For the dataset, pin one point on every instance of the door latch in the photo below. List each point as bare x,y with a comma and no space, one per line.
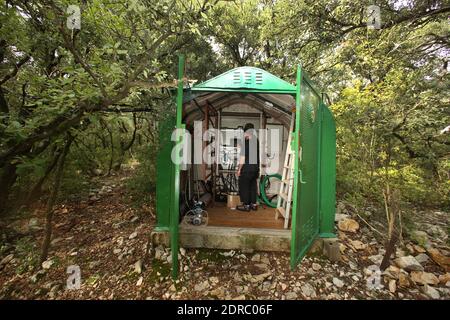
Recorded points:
301,177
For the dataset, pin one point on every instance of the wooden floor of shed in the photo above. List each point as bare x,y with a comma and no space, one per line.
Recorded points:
264,217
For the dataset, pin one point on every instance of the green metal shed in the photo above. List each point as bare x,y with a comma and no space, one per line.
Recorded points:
313,143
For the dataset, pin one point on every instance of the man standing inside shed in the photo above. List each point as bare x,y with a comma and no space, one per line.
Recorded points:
248,170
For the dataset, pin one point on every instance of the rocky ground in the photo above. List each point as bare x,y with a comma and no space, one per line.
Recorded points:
108,239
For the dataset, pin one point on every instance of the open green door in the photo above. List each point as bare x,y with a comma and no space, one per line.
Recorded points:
164,165
327,173
175,201
306,196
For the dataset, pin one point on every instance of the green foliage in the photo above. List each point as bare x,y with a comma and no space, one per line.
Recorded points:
55,80
159,269
26,251
142,185
214,256
75,184
102,84
93,279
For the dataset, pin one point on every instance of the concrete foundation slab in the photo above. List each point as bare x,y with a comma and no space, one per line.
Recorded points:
245,239
228,238
235,238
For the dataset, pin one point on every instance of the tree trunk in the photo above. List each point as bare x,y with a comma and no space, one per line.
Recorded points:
111,141
124,147
392,207
52,199
37,189
390,249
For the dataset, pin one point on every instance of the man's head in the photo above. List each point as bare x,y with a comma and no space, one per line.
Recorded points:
248,130
248,126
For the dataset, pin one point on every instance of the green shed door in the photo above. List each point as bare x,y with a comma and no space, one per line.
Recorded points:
175,182
327,173
305,211
164,171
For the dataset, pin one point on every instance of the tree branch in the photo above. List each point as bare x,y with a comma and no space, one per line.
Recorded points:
14,72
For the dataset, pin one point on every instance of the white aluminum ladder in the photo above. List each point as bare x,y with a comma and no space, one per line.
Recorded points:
287,181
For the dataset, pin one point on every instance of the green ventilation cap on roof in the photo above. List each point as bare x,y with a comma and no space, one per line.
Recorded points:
246,79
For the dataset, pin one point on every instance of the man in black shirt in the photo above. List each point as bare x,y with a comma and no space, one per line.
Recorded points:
248,170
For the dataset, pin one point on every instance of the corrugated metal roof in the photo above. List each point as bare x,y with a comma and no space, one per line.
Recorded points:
246,79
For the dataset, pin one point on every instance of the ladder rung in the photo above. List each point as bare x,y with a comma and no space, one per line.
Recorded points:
286,181
283,195
282,211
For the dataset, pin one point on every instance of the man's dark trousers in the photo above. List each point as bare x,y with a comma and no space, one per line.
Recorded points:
247,186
